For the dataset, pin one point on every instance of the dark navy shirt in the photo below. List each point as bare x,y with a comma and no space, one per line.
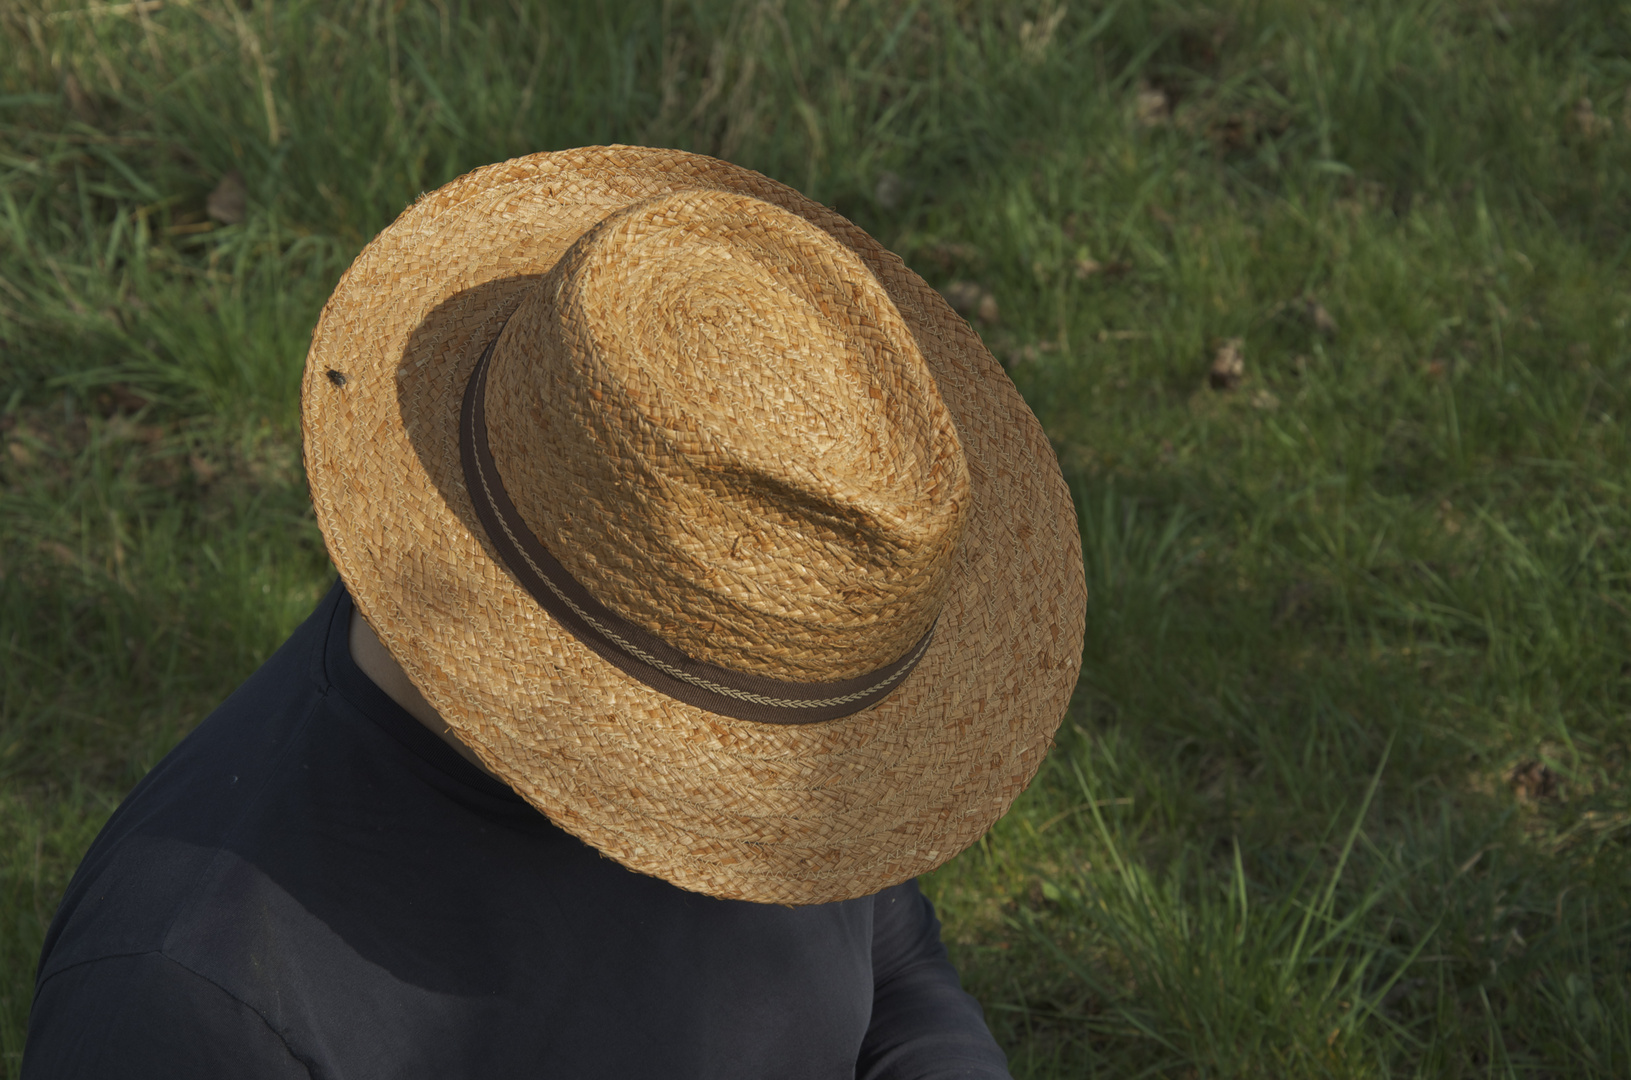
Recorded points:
312,884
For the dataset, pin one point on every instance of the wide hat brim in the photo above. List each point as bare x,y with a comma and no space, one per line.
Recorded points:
799,813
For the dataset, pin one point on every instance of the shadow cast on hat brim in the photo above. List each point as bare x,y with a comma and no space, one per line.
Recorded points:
425,386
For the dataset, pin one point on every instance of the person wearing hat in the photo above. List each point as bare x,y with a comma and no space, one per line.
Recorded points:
703,581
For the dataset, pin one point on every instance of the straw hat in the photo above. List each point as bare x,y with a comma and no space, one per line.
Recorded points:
702,520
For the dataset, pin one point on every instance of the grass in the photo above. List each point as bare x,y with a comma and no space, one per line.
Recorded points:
1342,792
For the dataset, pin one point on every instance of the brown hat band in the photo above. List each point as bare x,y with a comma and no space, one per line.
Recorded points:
632,649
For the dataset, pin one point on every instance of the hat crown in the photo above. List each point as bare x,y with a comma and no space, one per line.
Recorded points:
713,416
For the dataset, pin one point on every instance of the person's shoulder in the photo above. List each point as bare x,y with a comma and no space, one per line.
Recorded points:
146,864
145,1015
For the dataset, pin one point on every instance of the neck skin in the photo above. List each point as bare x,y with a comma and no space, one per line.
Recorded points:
375,661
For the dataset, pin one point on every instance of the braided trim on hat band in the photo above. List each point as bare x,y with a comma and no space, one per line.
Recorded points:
631,648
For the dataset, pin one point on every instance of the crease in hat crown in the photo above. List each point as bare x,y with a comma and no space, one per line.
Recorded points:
712,414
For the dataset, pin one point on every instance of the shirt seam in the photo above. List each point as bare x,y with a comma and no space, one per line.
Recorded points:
162,955
316,666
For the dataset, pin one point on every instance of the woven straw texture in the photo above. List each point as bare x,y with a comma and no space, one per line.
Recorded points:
745,427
